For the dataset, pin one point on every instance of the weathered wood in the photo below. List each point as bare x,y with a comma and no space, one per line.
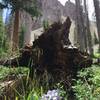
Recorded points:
53,52
53,48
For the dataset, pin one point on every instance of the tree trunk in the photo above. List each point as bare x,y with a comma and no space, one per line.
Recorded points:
88,32
80,27
15,38
97,12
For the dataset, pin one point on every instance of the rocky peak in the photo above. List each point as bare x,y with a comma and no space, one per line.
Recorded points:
53,10
69,10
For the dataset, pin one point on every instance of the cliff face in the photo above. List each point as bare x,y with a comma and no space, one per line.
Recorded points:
53,11
69,10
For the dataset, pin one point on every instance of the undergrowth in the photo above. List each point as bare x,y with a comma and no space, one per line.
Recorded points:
87,87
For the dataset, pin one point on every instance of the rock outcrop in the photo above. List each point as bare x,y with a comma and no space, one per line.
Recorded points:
51,11
70,10
54,11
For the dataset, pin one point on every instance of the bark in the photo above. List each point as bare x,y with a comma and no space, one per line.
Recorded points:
88,32
15,38
26,23
80,26
53,53
48,53
97,12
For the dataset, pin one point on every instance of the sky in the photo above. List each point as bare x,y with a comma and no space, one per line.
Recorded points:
63,1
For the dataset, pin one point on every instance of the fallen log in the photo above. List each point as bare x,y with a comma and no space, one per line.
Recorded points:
52,51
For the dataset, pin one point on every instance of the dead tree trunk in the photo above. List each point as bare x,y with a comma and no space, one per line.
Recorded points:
97,12
52,51
80,26
88,32
15,38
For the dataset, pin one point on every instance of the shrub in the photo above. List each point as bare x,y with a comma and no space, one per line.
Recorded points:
87,87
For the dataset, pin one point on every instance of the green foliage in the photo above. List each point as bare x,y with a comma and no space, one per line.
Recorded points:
62,92
96,55
17,6
30,88
35,94
2,33
87,87
45,25
26,5
3,37
7,73
4,72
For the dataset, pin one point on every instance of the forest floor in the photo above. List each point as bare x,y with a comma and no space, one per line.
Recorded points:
88,80
53,64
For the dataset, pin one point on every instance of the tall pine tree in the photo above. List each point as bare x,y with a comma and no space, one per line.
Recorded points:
97,13
2,33
16,7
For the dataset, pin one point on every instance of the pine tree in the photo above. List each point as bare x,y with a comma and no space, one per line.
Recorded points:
2,33
97,13
17,6
81,32
88,32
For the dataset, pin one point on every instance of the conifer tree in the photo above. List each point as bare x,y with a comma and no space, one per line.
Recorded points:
16,7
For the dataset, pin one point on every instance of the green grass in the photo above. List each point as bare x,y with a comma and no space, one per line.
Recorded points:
87,87
7,71
27,89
